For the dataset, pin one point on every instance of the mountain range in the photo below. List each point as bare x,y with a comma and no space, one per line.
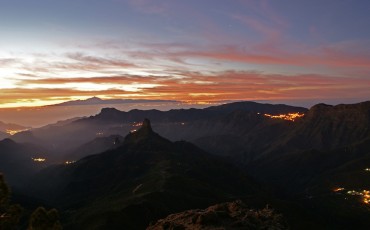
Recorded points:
312,165
180,124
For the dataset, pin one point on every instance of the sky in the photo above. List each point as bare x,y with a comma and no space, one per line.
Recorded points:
195,51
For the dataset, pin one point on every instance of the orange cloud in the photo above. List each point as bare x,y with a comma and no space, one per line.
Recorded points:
194,86
267,52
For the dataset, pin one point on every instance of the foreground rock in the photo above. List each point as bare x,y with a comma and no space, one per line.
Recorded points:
228,216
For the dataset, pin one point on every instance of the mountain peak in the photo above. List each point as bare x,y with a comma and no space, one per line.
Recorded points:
145,129
146,125
8,141
94,99
144,132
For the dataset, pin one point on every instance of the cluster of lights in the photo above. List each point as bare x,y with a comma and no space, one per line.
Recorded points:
365,194
13,132
69,162
137,124
99,134
287,117
39,159
355,193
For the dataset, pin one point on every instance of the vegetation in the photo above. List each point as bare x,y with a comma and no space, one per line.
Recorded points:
41,219
10,214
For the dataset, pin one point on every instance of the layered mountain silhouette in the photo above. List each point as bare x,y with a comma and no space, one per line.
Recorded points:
146,178
10,126
183,124
316,165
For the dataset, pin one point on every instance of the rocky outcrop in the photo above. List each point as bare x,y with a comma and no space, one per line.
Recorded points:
228,216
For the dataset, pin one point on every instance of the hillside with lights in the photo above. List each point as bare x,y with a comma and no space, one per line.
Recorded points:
312,165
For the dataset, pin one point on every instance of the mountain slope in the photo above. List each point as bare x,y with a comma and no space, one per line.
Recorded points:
98,145
326,138
16,161
326,127
146,178
325,151
3,135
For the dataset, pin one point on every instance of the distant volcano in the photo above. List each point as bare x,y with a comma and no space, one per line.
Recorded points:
99,101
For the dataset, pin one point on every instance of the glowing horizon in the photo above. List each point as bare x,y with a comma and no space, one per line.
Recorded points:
186,51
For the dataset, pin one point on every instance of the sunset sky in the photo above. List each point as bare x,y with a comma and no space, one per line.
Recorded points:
194,50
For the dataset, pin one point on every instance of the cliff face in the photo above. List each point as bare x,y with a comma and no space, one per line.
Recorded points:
327,127
231,216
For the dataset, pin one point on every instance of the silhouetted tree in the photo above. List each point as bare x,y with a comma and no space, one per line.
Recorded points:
41,219
9,214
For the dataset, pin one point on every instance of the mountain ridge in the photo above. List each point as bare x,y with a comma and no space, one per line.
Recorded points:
147,172
295,159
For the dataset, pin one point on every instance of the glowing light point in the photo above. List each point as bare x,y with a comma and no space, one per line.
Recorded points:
39,159
338,189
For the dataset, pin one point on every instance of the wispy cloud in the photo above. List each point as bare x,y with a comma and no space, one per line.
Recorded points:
7,61
325,55
206,52
195,86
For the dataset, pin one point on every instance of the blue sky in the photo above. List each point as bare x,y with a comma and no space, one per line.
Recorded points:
195,51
